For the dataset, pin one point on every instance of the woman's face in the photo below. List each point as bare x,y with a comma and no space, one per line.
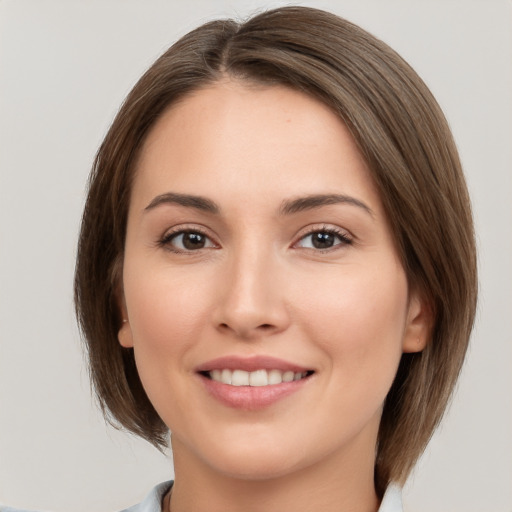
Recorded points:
265,301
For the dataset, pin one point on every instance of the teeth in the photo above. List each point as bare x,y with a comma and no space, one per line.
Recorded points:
239,378
256,378
288,376
225,376
275,377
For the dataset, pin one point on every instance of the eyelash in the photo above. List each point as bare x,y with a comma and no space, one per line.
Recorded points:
344,239
165,241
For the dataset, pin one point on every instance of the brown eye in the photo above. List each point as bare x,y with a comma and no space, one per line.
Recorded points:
188,241
193,241
323,239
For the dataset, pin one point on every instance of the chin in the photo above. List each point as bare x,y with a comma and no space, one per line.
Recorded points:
255,469
251,461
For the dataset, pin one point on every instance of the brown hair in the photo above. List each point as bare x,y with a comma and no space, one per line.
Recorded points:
409,150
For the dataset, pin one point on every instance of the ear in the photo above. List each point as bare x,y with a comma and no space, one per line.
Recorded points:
418,327
124,335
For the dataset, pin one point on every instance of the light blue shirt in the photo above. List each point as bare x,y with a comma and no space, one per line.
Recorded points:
392,501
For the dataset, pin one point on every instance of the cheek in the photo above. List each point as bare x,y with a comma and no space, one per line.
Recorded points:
358,319
166,311
167,315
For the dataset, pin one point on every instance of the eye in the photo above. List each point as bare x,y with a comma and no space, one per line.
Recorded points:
324,239
186,241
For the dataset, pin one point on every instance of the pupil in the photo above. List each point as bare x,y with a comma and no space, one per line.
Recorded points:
323,240
193,241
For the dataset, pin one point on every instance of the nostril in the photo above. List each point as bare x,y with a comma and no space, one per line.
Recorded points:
262,328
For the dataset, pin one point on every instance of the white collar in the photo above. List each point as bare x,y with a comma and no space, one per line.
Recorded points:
391,502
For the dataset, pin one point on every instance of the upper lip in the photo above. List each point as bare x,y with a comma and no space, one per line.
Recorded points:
250,364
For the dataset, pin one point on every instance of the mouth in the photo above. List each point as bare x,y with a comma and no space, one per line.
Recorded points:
252,383
258,378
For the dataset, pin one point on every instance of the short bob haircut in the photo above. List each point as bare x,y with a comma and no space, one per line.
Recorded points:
406,142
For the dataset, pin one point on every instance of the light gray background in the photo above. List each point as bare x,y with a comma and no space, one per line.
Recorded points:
65,66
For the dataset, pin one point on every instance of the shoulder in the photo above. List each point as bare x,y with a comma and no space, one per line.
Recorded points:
3,508
10,509
151,503
392,500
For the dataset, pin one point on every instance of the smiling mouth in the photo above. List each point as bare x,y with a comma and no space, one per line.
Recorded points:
257,378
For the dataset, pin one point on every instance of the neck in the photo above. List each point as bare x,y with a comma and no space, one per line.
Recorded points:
333,485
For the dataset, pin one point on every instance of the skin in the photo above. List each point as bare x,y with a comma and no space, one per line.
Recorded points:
259,286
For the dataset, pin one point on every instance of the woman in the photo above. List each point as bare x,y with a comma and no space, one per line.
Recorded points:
277,265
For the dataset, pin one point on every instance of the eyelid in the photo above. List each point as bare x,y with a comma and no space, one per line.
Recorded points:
169,234
346,237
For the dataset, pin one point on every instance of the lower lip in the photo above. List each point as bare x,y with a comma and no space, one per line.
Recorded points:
251,398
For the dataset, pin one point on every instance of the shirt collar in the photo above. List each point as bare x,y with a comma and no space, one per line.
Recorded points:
391,502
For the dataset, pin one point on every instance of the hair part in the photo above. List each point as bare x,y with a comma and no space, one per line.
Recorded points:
407,144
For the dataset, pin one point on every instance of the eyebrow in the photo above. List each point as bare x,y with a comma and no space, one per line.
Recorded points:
311,202
190,201
288,207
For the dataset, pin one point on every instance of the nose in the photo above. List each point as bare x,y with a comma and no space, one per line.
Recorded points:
251,301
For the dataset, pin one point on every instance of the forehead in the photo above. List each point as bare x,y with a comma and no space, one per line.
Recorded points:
232,138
